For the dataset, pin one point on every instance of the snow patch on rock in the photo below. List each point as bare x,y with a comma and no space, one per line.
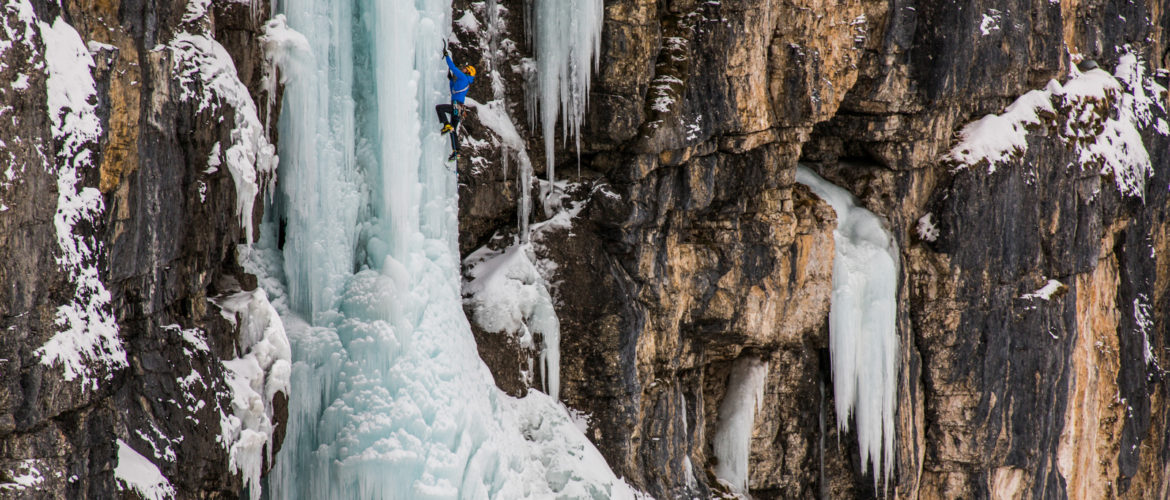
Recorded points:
1046,292
507,294
990,22
1143,318
23,476
1099,114
23,32
21,82
137,473
468,22
207,76
494,115
88,346
927,230
510,291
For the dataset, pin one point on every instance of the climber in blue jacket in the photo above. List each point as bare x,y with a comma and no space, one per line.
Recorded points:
451,114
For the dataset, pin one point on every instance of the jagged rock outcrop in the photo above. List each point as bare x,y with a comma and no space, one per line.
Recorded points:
694,248
118,225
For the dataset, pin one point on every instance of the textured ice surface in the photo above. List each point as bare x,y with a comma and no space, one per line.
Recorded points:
261,369
390,399
863,339
284,49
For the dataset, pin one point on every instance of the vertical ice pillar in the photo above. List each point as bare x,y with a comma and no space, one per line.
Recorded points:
319,179
367,210
566,39
737,415
863,340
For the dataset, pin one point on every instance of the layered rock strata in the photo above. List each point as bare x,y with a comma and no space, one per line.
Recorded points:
694,248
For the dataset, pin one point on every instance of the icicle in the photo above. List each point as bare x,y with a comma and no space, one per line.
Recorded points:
566,39
863,340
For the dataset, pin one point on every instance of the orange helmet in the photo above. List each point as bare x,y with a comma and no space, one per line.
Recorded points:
469,69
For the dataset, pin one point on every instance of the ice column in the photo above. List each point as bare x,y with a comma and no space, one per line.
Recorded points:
566,38
737,415
863,341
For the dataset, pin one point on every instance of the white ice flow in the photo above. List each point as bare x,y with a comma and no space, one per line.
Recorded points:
863,341
737,416
359,255
566,37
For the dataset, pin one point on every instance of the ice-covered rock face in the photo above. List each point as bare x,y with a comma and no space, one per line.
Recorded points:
692,249
392,400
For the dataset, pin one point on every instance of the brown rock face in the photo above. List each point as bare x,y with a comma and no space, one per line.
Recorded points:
695,249
162,241
1090,440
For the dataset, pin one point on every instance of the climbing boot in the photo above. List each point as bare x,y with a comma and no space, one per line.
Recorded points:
447,128
454,156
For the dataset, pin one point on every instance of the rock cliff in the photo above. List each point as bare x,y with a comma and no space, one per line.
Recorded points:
130,135
691,247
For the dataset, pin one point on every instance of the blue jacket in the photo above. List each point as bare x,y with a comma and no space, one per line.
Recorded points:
459,82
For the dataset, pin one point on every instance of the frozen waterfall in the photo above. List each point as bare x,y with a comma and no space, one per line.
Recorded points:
863,341
358,252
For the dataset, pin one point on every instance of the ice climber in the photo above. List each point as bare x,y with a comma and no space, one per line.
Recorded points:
451,114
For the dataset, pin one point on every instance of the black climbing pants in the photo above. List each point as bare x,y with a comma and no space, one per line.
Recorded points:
449,115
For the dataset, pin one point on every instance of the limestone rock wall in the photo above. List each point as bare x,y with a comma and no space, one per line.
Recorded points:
694,246
160,243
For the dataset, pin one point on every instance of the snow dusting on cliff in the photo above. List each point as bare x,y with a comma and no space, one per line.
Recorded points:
207,77
1099,114
88,346
137,473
